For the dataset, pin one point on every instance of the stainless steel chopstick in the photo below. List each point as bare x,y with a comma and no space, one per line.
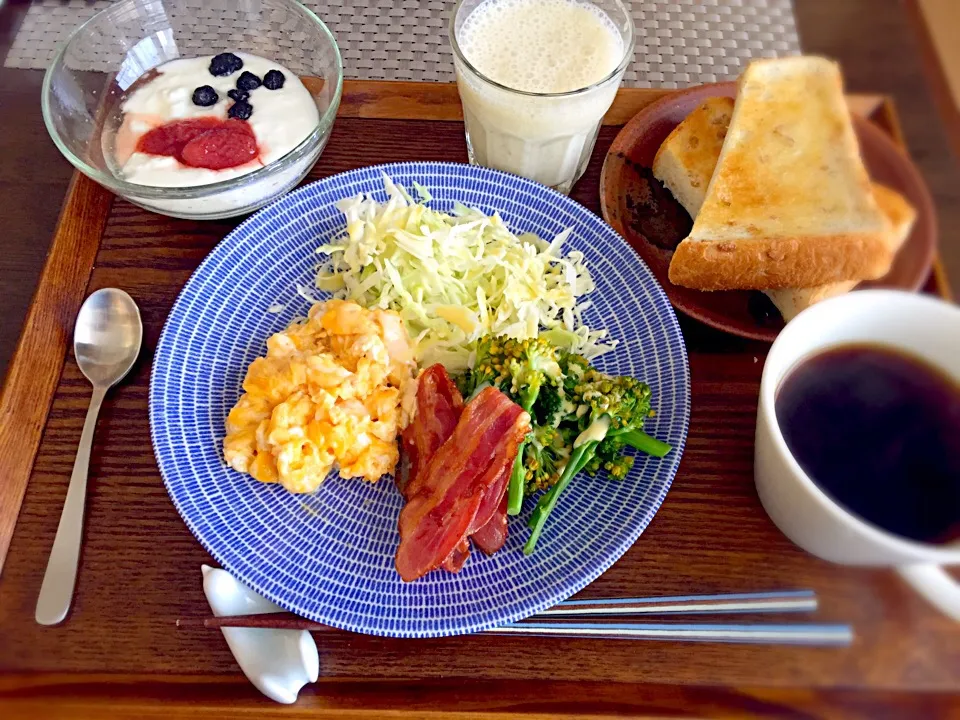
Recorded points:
799,634
759,634
732,603
762,602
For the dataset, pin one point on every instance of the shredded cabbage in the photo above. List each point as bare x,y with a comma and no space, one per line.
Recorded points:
456,277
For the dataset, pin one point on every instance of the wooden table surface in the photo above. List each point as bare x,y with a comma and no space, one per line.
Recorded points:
121,642
120,650
881,44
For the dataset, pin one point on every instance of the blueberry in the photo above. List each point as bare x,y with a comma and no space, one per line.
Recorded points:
205,96
241,110
238,95
248,81
225,64
273,80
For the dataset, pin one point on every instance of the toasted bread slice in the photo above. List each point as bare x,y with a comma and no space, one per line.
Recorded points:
789,204
792,301
687,158
685,164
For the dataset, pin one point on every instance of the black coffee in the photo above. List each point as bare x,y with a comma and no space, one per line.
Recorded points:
879,431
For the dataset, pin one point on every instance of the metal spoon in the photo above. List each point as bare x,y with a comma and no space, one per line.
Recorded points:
106,342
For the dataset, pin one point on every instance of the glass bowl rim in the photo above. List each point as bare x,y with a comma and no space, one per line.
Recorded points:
125,188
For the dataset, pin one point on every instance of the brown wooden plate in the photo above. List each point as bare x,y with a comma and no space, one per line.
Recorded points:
645,213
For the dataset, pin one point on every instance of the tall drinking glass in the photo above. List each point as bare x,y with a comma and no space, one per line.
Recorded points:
545,136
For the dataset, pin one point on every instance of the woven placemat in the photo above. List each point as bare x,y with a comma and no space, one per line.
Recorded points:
679,42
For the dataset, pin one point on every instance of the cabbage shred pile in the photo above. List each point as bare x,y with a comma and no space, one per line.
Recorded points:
457,277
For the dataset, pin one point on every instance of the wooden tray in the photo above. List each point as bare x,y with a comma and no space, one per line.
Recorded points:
120,651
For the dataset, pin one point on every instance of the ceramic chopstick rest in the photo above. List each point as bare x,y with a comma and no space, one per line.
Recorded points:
278,662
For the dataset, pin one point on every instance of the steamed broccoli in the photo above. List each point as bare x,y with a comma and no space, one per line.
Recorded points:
544,456
519,368
573,367
609,456
610,414
531,364
524,370
550,407
582,418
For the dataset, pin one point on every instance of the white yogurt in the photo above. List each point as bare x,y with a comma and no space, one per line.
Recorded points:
280,121
244,198
537,46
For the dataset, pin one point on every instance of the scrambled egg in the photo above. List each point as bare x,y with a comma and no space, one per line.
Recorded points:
331,391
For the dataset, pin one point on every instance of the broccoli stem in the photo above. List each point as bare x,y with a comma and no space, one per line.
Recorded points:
645,443
578,460
517,475
515,489
477,390
538,519
528,396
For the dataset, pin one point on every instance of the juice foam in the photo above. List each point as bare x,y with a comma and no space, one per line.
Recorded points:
542,46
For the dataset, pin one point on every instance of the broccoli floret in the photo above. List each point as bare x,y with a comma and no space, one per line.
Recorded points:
549,408
519,368
544,456
465,383
619,467
530,364
573,367
609,456
488,367
610,414
625,400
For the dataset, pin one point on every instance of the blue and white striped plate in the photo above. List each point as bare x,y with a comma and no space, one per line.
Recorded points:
329,556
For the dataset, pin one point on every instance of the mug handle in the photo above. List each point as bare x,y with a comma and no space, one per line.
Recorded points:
936,585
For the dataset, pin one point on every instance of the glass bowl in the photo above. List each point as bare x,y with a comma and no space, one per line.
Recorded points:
89,78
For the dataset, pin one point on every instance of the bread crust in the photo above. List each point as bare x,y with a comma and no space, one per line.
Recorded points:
789,204
792,301
780,262
898,210
685,161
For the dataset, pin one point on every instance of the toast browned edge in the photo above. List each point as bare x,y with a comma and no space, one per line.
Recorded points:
802,261
799,262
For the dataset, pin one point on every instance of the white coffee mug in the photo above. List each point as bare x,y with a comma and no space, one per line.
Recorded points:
922,325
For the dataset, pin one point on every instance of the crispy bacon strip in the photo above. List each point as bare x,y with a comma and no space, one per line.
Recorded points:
456,560
486,515
455,481
493,534
491,500
439,405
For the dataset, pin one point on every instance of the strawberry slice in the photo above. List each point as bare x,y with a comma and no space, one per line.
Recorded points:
218,149
207,142
170,138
